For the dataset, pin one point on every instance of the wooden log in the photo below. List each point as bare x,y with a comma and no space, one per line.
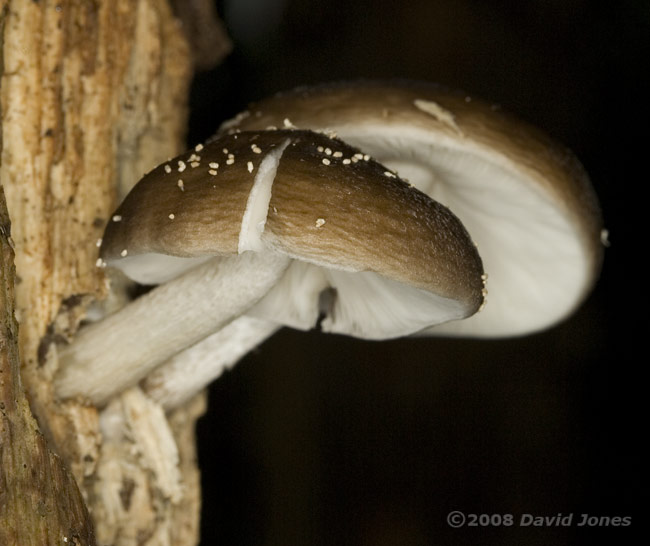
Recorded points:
92,95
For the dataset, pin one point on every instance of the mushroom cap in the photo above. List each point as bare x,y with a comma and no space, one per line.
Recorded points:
526,201
397,260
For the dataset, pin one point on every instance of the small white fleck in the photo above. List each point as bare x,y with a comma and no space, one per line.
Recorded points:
320,149
225,151
346,161
181,185
98,243
271,128
366,157
212,172
171,216
287,123
326,161
181,166
328,151
194,157
99,263
358,156
198,147
117,218
338,154
604,238
168,169
213,165
230,161
256,149
320,222
389,174
124,253
249,166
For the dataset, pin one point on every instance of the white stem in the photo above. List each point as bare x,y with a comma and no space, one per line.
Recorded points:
114,354
190,371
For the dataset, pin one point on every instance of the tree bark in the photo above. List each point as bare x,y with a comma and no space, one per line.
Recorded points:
92,95
40,502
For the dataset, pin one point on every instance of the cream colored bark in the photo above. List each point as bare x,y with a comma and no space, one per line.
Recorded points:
92,95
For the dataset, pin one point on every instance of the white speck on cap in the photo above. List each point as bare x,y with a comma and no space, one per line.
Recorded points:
117,218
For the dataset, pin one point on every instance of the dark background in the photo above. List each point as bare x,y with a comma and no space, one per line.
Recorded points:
317,439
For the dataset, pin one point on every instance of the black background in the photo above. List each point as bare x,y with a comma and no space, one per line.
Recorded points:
316,439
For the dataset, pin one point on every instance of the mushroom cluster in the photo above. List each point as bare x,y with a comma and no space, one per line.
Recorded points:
358,207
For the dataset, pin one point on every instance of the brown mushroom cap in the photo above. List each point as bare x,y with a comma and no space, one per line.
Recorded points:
526,201
337,213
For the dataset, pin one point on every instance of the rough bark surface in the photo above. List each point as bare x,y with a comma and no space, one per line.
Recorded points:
40,502
92,95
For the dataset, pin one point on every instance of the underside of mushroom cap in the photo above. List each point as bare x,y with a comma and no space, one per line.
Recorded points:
525,200
340,215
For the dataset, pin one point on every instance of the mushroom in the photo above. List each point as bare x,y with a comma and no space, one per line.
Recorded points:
525,200
274,220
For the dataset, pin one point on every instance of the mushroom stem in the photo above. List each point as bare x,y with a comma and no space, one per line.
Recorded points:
188,372
111,355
